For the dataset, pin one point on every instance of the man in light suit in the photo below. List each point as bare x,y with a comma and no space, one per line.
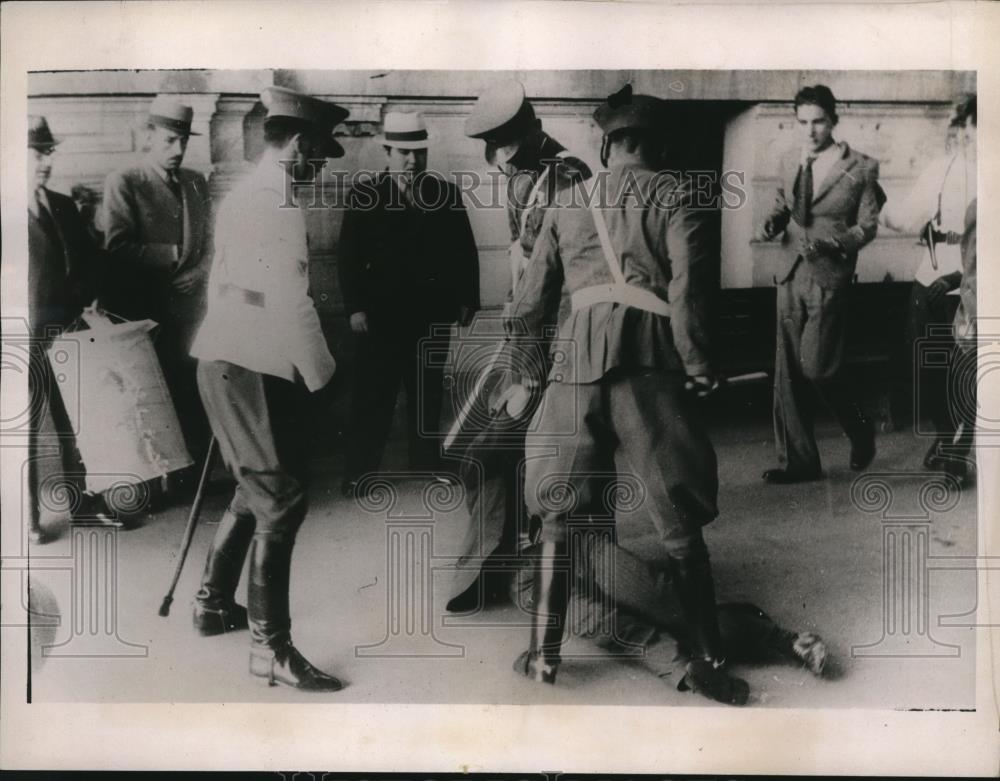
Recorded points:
62,267
156,217
827,209
261,357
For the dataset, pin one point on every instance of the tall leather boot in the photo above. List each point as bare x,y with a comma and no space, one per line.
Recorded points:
696,594
551,595
272,655
215,608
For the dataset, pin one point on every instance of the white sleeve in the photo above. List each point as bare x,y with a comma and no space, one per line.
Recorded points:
291,306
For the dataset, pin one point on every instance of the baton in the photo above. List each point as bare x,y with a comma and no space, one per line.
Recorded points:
929,236
192,521
466,410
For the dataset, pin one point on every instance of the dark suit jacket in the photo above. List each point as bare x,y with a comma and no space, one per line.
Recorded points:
407,266
845,207
62,266
144,225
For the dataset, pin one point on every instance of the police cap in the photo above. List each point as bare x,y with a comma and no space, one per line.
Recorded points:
324,115
623,110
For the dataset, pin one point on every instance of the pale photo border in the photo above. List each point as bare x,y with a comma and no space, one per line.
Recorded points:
503,36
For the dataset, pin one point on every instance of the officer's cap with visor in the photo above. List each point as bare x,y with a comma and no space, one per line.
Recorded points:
282,102
626,111
502,116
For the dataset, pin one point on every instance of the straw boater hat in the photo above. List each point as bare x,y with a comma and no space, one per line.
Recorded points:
289,104
39,135
404,131
168,112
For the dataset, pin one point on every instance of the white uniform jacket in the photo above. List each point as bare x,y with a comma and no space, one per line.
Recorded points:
260,314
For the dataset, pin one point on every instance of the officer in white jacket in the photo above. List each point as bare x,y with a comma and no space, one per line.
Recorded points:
260,352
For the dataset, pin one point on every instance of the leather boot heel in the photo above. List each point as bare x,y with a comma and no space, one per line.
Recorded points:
286,666
209,622
215,609
551,594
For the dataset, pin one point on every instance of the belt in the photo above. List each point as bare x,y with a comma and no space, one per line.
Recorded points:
251,297
617,293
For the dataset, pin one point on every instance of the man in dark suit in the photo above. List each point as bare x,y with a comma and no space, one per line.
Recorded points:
827,209
408,261
157,237
62,266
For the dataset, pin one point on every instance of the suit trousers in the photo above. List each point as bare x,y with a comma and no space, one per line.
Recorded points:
260,422
384,360
631,436
811,337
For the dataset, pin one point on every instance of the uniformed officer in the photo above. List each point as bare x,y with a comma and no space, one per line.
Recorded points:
638,275
537,167
261,352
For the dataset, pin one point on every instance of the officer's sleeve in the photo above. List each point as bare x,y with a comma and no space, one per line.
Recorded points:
693,264
864,230
122,237
293,311
536,303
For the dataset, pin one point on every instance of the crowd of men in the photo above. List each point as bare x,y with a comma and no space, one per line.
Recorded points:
626,281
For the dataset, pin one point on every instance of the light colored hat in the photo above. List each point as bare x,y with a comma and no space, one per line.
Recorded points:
501,115
404,131
287,103
168,112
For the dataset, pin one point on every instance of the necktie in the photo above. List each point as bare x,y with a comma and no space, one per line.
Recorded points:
45,216
804,192
174,185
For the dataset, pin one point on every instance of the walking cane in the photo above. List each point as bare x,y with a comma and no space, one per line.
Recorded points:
192,522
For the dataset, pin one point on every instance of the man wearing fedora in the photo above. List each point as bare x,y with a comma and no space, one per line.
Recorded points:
638,276
62,270
826,210
408,265
157,223
261,357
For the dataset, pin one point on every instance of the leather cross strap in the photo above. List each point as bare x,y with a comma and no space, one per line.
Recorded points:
619,291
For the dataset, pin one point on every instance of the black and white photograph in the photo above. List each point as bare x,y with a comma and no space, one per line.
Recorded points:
526,389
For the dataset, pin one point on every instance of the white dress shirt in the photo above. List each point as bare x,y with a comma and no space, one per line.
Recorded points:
823,163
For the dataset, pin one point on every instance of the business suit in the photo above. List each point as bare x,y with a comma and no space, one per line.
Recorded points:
62,266
408,267
812,299
152,236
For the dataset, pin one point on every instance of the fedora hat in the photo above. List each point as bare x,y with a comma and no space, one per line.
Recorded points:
39,135
168,112
404,130
285,103
623,110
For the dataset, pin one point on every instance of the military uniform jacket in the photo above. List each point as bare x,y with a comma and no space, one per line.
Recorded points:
407,265
150,236
260,315
845,206
62,265
664,246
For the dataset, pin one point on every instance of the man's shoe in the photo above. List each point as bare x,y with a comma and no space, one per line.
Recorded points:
216,621
811,649
711,680
863,447
37,535
787,476
284,665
